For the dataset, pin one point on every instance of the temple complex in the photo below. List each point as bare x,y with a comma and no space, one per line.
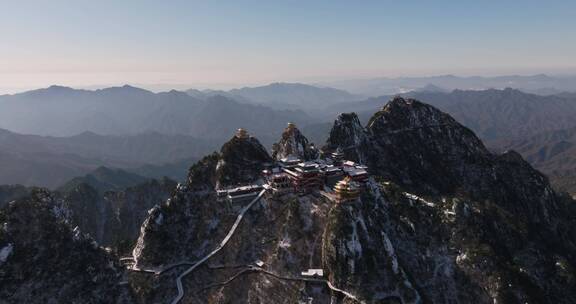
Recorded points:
334,177
305,176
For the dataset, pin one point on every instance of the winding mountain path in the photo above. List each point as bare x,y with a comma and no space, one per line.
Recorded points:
216,250
252,268
334,288
158,271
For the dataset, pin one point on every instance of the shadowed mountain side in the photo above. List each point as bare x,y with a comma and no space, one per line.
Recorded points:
554,153
105,179
51,161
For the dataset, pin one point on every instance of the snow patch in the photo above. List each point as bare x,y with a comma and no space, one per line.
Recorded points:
220,164
5,252
353,245
60,212
408,222
159,219
284,243
391,253
461,257
315,210
418,199
76,234
213,223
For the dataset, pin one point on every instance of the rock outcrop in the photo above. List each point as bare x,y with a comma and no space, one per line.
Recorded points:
241,161
349,137
294,144
489,224
44,260
113,218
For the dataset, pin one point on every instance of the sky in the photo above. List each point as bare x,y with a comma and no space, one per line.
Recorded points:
218,44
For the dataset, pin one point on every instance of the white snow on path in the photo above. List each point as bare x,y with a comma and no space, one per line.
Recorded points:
419,199
349,295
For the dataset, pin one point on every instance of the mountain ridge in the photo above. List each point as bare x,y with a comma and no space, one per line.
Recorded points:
442,196
493,114
127,110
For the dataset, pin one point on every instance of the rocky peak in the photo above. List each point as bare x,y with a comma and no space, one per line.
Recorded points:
410,113
425,150
293,143
417,119
241,160
348,136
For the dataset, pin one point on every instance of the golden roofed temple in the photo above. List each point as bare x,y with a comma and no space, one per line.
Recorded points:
346,190
242,133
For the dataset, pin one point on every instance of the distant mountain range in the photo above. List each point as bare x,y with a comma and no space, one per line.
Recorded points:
62,111
285,96
51,161
105,179
295,96
538,84
554,153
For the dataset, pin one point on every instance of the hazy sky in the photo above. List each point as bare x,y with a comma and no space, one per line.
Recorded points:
215,43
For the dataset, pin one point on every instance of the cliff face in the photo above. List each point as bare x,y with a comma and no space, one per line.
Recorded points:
359,256
44,260
113,218
293,144
426,151
350,137
490,224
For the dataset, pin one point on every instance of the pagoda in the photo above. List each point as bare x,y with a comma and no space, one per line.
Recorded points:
346,190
